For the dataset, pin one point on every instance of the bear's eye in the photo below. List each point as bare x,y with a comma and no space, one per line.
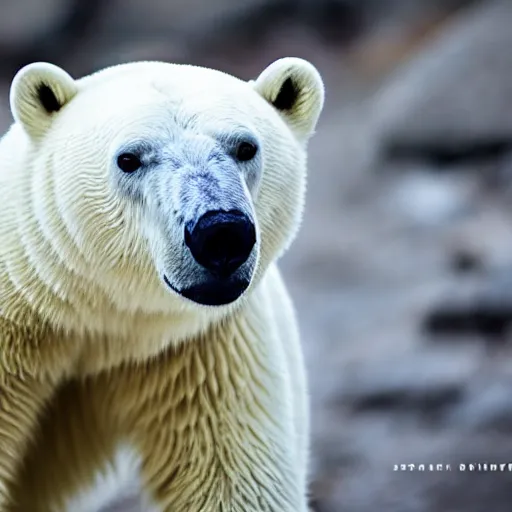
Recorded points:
246,151
128,162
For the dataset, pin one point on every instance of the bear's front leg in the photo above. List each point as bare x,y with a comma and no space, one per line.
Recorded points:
213,425
21,400
30,369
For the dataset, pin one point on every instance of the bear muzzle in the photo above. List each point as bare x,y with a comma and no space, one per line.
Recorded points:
221,242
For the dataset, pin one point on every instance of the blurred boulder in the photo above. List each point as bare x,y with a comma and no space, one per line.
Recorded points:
451,101
23,20
430,200
49,30
417,383
488,407
136,17
484,309
232,18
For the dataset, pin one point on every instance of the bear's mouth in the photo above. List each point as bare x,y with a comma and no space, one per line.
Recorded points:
213,292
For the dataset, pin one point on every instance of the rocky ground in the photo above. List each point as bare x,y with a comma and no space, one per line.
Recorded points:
401,272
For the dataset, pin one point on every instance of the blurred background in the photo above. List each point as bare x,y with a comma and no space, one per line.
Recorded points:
402,273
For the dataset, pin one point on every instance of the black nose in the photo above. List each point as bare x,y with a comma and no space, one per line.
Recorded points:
221,241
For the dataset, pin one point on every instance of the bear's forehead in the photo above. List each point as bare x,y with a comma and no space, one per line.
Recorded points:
172,80
161,89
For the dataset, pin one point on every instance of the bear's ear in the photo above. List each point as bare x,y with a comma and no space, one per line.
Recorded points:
295,88
38,92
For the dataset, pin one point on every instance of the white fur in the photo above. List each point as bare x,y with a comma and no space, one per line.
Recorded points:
120,478
89,257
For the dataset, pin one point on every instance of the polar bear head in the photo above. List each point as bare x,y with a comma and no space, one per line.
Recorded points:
178,185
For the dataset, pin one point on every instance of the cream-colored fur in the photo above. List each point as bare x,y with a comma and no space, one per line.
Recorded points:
96,353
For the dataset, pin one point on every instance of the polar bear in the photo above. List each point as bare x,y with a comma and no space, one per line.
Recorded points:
143,210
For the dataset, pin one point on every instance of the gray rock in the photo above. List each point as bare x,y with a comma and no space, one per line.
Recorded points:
162,15
431,200
455,94
419,383
22,20
487,408
484,308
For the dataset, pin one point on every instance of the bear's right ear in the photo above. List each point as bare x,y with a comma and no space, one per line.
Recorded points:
38,92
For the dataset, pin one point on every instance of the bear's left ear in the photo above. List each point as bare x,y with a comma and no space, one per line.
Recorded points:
295,89
38,92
